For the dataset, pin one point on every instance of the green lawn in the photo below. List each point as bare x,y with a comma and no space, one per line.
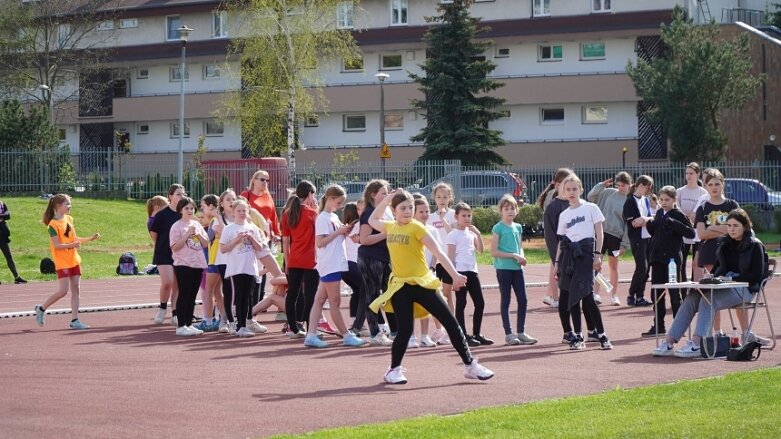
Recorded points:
738,405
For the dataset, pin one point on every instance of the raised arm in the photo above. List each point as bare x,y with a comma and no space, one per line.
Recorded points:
375,220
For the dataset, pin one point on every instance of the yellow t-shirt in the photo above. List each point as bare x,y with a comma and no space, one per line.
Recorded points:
407,255
214,245
63,229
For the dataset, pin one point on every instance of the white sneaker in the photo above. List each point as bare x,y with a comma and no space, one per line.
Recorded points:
597,299
525,338
256,327
413,342
159,316
381,340
174,321
554,303
184,331
385,328
689,351
244,332
232,328
194,330
395,376
223,327
327,304
478,371
547,300
754,337
663,350
615,301
427,342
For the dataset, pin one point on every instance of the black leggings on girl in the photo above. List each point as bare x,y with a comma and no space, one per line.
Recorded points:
242,290
189,280
476,293
352,277
590,310
301,288
374,275
433,302
227,293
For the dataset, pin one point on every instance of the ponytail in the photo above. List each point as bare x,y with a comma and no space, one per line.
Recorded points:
303,189
558,177
54,201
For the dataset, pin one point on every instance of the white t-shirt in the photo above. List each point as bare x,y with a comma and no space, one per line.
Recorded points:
688,200
350,246
241,259
464,240
577,223
439,224
644,206
331,258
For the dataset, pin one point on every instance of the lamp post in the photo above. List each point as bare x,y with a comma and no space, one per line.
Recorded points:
623,157
382,77
184,32
46,93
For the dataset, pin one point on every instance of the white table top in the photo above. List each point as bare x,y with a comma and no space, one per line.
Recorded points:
723,285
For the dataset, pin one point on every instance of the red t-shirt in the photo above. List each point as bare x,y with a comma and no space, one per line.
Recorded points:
265,205
302,239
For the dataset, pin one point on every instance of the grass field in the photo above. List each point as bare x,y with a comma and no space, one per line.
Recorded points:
738,405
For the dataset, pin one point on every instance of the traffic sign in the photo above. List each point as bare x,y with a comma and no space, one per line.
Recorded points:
385,151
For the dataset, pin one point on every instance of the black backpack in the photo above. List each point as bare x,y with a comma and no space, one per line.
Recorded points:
127,265
745,352
47,266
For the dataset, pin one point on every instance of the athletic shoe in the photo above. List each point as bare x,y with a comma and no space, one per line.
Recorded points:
280,317
554,304
597,299
525,339
413,342
77,324
232,328
547,300
511,340
327,304
216,323
184,331
175,321
483,340
471,341
640,301
427,342
592,336
381,340
311,341
326,327
630,300
652,332
604,343
195,331
204,326
385,328
689,351
223,327
478,371
754,337
569,338
256,327
395,376
40,315
351,340
244,332
296,334
159,316
444,340
578,344
19,280
615,301
663,350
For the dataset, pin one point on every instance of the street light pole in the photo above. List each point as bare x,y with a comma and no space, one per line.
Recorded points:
184,32
623,157
382,77
46,93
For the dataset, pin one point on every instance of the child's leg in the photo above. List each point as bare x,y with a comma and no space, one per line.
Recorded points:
519,286
424,325
214,285
271,265
227,294
460,307
476,293
311,284
505,280
659,276
591,309
242,288
402,304
75,285
62,289
207,298
197,275
564,314
372,272
612,263
335,299
352,277
167,284
434,304
553,287
317,307
185,279
447,291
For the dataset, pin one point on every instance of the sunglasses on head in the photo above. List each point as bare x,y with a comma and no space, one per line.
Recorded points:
262,179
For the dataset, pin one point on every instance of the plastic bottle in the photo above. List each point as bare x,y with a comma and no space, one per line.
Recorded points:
602,280
672,272
734,339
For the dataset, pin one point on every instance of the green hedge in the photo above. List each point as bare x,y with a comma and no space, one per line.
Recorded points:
484,218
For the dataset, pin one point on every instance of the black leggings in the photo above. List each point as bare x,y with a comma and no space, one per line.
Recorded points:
590,311
374,276
659,276
433,302
242,290
8,258
227,293
189,280
255,297
686,250
640,276
352,277
301,288
476,293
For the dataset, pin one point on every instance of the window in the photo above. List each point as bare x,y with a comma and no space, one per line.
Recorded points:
390,62
219,24
394,121
600,5
62,134
142,73
552,116
175,129
594,114
352,65
354,122
175,73
127,23
105,25
398,12
549,52
540,8
501,52
589,51
211,71
142,128
213,128
63,35
312,120
344,15
173,22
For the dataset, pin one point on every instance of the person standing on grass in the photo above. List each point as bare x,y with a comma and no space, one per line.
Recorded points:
160,232
688,198
637,212
463,244
552,202
5,239
611,203
413,290
443,220
64,245
188,239
509,260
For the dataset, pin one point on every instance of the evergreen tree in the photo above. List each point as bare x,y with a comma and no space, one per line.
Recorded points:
458,104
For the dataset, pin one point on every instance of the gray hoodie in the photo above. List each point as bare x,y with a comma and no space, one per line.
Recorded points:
611,204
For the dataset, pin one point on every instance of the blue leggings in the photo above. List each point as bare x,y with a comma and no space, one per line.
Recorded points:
512,280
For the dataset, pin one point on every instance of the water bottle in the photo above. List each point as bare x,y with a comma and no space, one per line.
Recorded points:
602,280
734,340
672,272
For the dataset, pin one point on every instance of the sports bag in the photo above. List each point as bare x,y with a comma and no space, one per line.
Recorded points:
128,265
47,266
745,352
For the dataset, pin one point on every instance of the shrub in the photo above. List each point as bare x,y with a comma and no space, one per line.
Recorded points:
529,215
758,219
484,218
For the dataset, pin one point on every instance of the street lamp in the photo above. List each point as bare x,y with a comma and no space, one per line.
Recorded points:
623,157
46,93
184,32
382,77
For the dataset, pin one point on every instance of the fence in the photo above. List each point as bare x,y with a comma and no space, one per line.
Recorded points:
143,175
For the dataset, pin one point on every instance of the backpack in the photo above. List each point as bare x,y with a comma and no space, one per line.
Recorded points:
47,266
127,264
745,352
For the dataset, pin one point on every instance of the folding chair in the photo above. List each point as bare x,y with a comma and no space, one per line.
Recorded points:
760,301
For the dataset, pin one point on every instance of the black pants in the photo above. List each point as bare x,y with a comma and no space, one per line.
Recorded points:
255,297
352,277
590,312
640,276
189,280
403,302
374,277
8,258
227,294
301,288
659,275
242,291
475,291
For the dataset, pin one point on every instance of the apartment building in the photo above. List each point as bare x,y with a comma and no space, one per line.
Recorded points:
568,98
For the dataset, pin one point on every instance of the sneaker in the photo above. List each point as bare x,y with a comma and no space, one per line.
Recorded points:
184,331
159,316
351,340
327,304
232,328
280,317
652,332
311,341
40,315
223,327
244,332
640,301
19,280
326,327
525,339
547,300
215,325
175,321
385,328
470,340
604,343
296,334
689,351
478,371
256,327
569,338
380,340
630,300
592,336
77,324
663,350
578,344
195,331
597,299
483,340
285,328
615,301
437,334
554,304
754,337
427,342
413,342
395,376
511,340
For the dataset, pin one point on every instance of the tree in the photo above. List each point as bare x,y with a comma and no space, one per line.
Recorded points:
775,17
700,75
281,46
22,130
458,105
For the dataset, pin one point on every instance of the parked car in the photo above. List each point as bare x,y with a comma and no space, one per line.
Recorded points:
749,191
354,189
481,188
